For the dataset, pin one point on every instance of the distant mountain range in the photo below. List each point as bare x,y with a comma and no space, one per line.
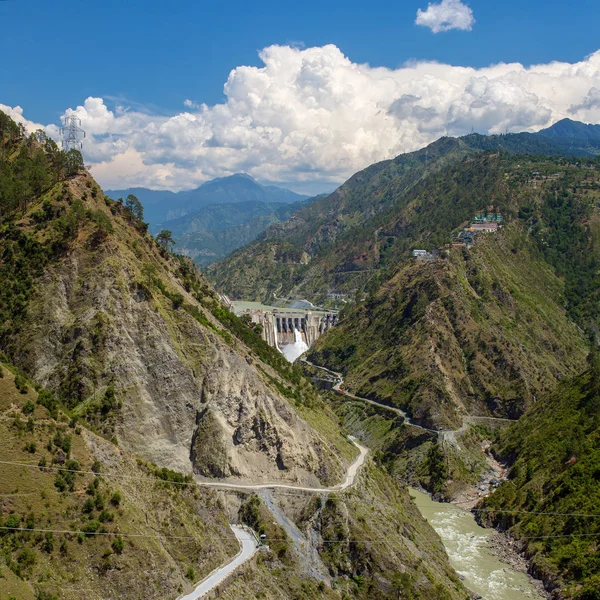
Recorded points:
161,206
218,217
215,231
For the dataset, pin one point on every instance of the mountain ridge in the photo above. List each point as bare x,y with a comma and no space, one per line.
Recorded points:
160,206
124,338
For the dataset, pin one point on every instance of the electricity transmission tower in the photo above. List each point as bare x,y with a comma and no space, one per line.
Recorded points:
71,133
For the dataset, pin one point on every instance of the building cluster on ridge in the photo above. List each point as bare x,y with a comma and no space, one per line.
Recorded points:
488,221
484,222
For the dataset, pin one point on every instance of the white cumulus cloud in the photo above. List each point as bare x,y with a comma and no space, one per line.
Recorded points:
309,118
446,15
16,114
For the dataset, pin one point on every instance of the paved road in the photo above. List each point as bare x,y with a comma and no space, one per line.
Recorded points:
444,434
246,539
248,548
349,481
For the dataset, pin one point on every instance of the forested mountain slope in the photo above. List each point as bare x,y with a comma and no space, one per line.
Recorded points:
486,329
553,489
130,343
216,230
337,243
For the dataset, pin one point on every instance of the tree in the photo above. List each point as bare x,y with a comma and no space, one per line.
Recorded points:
165,239
74,162
438,471
593,360
134,206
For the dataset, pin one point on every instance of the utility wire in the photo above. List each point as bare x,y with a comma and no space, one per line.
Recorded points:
283,491
219,537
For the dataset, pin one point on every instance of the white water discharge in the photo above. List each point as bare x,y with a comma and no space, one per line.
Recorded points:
295,350
465,543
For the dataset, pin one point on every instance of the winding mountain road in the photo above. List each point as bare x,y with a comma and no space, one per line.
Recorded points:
443,434
349,481
248,548
247,540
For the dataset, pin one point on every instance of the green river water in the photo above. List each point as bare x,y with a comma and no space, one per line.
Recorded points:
465,543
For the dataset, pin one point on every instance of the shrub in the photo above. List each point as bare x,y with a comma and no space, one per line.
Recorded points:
118,545
26,558
28,407
20,383
48,544
91,527
99,501
106,517
177,300
115,499
60,484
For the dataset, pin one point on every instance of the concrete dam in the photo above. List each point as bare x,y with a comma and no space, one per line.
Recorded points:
279,325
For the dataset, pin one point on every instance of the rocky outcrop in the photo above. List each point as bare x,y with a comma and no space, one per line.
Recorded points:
188,395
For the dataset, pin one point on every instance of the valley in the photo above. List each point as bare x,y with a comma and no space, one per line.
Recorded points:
306,419
439,353
136,371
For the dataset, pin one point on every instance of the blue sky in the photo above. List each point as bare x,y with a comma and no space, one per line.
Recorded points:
160,53
309,113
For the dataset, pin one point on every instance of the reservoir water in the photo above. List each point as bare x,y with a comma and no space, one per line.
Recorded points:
465,543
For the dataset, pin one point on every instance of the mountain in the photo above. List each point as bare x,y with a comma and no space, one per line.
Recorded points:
217,230
573,137
334,244
161,206
567,129
553,483
484,330
124,380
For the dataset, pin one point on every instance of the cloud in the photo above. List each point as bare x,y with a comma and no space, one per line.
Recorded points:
16,114
309,118
589,103
447,15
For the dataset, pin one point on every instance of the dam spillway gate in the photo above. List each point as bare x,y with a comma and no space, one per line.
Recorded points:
279,325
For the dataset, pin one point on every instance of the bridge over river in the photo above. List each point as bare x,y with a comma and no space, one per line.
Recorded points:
280,324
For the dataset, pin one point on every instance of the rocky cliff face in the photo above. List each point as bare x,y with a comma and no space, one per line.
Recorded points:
105,331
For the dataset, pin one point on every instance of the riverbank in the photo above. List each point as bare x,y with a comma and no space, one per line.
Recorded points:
508,550
499,544
490,478
479,555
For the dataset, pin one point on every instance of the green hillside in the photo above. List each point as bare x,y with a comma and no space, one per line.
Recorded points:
217,230
136,363
554,485
481,330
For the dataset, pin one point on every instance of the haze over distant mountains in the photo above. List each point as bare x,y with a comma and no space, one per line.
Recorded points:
207,227
218,217
163,205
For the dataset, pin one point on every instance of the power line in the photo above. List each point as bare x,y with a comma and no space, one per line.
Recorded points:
221,537
286,492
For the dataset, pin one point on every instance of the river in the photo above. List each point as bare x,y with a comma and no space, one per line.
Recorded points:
465,543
